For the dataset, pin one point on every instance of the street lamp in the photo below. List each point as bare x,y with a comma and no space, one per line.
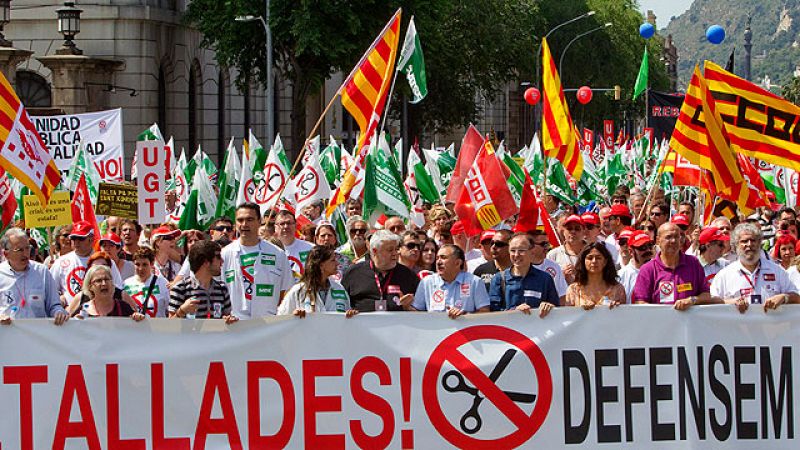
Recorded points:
5,17
564,52
270,82
69,24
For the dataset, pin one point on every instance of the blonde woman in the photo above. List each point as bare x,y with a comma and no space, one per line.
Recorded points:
100,298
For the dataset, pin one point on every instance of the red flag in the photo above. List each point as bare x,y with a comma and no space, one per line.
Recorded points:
8,201
82,207
750,193
547,224
685,173
528,217
608,133
485,199
470,146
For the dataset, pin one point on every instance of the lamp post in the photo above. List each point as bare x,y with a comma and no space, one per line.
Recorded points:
564,52
538,57
270,82
5,17
69,24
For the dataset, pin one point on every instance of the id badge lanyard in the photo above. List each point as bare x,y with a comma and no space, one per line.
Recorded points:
752,281
386,282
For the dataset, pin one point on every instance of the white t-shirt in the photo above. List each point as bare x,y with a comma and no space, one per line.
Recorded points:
68,271
558,275
712,269
128,270
473,264
255,277
627,278
794,276
559,256
335,299
297,252
158,300
768,280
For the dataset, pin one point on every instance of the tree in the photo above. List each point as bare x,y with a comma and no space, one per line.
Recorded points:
791,90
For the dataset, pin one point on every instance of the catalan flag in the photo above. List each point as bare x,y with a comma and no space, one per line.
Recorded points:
760,124
700,135
22,151
364,96
558,132
750,193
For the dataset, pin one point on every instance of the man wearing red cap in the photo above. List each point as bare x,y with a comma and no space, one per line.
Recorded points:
112,244
620,217
712,246
591,221
486,251
468,244
69,270
566,255
641,247
256,272
683,224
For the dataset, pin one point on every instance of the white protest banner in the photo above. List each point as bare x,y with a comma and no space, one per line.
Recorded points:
101,133
150,182
635,377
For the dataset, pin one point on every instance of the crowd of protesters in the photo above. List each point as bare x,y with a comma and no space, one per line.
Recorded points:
635,250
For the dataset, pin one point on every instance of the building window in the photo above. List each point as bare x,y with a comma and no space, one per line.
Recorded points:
33,90
162,100
194,81
246,95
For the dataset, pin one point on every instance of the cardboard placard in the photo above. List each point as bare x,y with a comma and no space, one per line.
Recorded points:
117,200
58,211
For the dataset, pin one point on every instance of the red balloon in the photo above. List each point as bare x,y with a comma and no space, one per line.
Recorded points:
584,95
532,96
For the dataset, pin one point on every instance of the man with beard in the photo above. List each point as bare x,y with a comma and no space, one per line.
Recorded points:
642,248
712,245
129,231
356,247
671,277
501,259
752,278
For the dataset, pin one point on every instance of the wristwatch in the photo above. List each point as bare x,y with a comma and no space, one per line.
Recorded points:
693,299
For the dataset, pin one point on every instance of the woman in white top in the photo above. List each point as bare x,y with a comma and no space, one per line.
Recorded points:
316,291
163,239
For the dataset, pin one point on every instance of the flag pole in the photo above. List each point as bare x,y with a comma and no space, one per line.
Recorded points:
653,187
388,101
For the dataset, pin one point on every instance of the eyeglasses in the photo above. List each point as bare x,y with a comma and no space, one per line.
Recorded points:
590,227
223,228
655,213
411,246
78,238
99,281
499,244
574,229
543,244
622,241
644,248
64,236
649,228
683,227
25,249
517,251
168,238
358,231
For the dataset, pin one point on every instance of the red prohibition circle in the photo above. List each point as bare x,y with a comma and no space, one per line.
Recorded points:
447,350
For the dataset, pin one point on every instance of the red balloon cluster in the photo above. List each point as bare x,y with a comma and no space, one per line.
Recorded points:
532,96
584,95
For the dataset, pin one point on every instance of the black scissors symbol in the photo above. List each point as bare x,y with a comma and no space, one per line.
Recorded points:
458,384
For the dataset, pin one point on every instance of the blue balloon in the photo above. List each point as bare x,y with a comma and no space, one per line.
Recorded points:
715,34
647,30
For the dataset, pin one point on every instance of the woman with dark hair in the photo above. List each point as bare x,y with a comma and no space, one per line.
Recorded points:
595,279
427,258
317,291
649,227
325,234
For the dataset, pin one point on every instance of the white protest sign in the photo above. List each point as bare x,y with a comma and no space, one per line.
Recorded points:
101,133
635,377
150,181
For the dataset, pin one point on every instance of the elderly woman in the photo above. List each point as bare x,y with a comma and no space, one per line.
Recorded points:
61,244
163,242
99,297
317,291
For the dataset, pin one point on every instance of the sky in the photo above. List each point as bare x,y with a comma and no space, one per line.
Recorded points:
664,9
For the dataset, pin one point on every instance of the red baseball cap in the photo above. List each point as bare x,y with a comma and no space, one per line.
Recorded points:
164,232
626,233
111,237
639,239
487,235
620,211
457,228
590,218
680,219
573,218
710,234
81,229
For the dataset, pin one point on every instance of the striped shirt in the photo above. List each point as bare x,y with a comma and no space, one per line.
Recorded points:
214,303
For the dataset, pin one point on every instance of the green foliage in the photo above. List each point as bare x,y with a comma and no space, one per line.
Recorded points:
791,91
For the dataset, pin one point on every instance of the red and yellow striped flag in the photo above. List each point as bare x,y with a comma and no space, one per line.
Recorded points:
364,96
22,151
700,135
558,136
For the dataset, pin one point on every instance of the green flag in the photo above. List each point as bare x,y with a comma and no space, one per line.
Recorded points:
412,63
189,214
257,154
441,166
557,183
82,164
424,182
330,159
641,79
516,177
615,171
228,184
206,199
151,134
383,187
772,183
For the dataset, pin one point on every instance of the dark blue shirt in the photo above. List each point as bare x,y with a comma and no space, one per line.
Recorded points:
535,287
